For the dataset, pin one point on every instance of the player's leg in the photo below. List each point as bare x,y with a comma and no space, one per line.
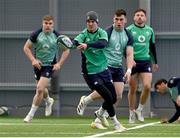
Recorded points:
107,91
132,97
93,81
41,86
118,81
119,87
146,81
85,100
48,103
108,101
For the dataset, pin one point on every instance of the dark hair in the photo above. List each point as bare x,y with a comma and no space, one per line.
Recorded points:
160,81
140,10
48,18
120,12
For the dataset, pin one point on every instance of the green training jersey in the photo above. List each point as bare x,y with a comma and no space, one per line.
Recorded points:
174,88
93,59
174,93
116,48
142,37
45,46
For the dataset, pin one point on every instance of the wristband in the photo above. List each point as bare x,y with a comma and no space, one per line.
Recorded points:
129,70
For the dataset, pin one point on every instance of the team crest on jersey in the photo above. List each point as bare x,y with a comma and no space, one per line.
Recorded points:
147,33
45,46
88,39
149,69
141,38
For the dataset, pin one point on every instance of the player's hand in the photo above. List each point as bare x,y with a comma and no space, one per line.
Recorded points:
127,77
164,120
36,63
155,67
134,63
178,100
56,67
82,46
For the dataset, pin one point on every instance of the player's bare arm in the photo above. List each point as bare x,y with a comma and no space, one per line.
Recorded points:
62,59
27,49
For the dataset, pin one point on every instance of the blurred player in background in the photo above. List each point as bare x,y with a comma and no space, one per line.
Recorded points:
146,61
44,62
173,87
119,44
92,42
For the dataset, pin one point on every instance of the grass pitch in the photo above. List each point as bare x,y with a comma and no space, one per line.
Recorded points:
80,127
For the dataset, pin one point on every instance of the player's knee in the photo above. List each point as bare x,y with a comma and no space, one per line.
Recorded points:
40,90
147,88
132,89
104,92
113,98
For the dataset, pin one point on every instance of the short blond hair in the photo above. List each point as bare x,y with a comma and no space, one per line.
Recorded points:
48,18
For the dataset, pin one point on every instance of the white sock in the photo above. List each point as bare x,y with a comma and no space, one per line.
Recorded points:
131,112
88,99
114,120
33,110
101,111
46,99
140,107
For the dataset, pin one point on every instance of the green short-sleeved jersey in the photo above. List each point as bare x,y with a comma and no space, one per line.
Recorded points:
174,93
116,48
93,59
142,37
45,46
174,87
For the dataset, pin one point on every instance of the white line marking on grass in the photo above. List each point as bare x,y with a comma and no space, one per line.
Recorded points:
118,131
43,133
40,124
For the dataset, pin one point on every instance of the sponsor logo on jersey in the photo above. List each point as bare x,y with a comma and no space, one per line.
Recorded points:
149,69
117,47
47,74
95,83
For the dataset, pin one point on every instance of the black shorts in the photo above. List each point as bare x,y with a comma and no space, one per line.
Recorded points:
45,71
117,74
101,78
142,66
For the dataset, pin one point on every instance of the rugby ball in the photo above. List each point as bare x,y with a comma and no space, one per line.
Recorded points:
64,42
4,111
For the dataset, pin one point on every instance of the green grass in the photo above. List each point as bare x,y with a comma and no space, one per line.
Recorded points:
79,127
